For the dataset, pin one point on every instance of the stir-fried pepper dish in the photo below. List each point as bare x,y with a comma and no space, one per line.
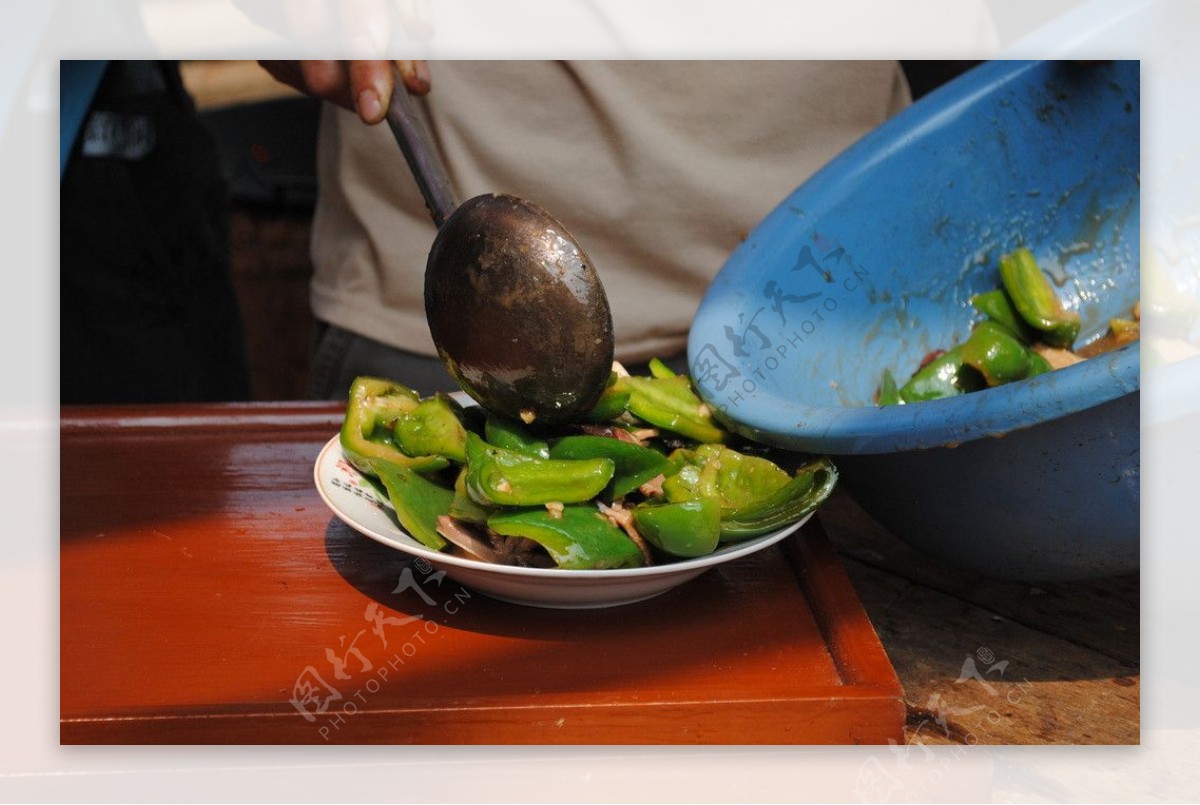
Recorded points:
1026,331
647,476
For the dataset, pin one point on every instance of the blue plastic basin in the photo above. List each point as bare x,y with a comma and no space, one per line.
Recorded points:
870,264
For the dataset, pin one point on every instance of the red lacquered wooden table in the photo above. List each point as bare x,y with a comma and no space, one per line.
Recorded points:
209,596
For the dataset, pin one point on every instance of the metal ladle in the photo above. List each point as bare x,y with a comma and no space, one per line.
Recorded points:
515,307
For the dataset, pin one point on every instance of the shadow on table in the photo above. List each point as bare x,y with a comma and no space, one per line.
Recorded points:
374,570
745,629
923,606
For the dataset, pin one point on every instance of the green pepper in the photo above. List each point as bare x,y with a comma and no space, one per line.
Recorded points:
659,369
996,354
688,529
1125,328
418,502
367,437
1038,365
944,376
808,488
672,404
635,464
743,479
735,480
998,307
496,476
889,392
754,495
577,538
434,427
694,480
681,457
1034,298
512,435
463,506
613,402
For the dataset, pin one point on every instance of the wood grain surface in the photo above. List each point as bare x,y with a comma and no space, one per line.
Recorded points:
208,596
996,662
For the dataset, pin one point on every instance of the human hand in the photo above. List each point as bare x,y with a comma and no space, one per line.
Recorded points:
364,87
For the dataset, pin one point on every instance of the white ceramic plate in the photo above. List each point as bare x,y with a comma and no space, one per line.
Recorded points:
356,502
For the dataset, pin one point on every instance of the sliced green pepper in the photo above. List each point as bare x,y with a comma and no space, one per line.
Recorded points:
682,457
744,480
418,502
811,485
367,437
1130,328
399,439
688,529
659,369
434,427
735,480
754,495
694,480
889,392
944,376
671,403
1034,298
996,354
613,402
635,464
496,476
463,506
512,435
577,538
1038,365
998,307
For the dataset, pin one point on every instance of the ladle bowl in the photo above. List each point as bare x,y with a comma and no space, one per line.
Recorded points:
517,313
515,307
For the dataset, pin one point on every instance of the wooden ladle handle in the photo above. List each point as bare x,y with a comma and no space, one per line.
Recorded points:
408,126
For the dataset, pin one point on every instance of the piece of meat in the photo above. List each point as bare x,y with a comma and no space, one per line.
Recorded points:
1057,358
622,518
463,537
654,487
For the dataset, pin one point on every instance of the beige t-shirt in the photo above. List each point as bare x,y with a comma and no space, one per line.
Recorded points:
658,168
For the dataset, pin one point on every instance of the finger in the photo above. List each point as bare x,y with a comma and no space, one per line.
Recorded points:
285,72
415,75
327,80
371,87
320,79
